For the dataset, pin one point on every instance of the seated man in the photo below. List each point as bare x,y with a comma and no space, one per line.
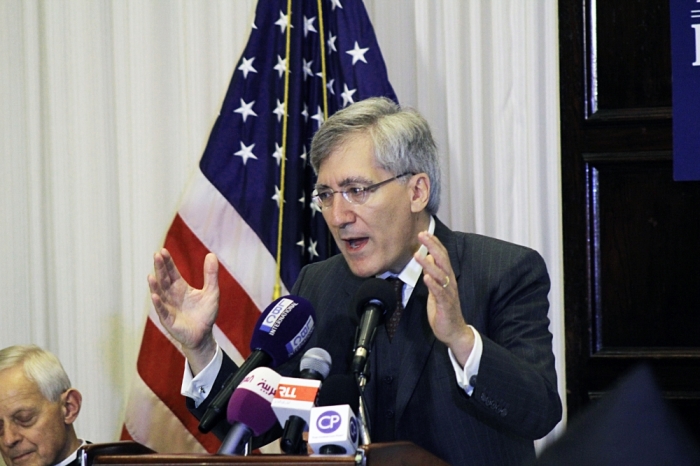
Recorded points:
37,409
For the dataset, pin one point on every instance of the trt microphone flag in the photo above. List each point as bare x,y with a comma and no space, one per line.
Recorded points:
250,200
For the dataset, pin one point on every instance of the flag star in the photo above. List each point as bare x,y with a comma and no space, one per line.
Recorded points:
281,65
306,65
277,154
347,95
277,196
279,111
357,53
246,109
318,116
312,249
247,66
305,112
336,3
302,199
301,242
331,43
309,25
314,208
304,156
246,152
283,22
330,86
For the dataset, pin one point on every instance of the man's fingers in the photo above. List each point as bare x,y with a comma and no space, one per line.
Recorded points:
435,249
161,310
211,271
172,272
437,269
162,276
153,284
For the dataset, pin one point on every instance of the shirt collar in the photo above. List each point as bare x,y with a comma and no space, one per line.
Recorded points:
72,456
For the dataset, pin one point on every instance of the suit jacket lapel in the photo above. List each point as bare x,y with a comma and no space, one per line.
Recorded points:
417,347
420,338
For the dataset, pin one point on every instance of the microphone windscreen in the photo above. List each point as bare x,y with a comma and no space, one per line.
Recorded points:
317,360
375,291
283,328
340,389
251,402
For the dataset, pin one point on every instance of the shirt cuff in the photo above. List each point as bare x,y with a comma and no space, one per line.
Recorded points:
471,367
198,387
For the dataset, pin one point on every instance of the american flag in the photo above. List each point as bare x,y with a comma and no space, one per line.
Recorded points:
304,60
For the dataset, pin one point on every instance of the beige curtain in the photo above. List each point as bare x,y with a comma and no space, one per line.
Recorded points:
105,108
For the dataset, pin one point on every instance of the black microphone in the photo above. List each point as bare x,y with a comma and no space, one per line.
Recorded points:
280,332
293,407
374,297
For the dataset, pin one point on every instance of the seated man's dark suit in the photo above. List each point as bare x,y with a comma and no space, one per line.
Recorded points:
412,393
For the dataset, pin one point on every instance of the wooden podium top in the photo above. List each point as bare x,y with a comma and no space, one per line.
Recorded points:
131,453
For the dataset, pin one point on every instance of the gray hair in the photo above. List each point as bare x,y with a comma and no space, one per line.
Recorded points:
40,366
401,137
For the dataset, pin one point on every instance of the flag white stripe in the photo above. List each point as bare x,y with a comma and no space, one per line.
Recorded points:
223,231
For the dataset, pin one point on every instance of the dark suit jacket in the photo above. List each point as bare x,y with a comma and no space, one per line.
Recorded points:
503,292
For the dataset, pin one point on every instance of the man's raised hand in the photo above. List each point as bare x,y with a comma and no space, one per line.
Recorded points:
187,313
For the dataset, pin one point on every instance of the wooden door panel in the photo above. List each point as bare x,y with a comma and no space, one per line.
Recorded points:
629,67
631,233
646,262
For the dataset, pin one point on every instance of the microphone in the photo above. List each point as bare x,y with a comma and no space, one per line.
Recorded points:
296,396
249,410
333,426
374,297
280,332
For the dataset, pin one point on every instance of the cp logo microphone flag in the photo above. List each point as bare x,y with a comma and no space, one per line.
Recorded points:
250,199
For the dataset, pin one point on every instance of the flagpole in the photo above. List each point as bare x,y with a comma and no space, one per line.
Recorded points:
277,291
323,60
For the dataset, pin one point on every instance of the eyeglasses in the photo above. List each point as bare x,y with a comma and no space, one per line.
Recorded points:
354,194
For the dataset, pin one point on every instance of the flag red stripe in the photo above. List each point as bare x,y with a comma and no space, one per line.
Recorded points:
125,434
160,366
237,312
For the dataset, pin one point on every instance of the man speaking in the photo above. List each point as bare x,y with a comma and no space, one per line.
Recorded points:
464,367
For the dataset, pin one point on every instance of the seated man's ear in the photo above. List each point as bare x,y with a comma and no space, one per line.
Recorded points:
71,400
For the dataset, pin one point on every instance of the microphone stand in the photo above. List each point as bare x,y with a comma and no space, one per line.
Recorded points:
362,378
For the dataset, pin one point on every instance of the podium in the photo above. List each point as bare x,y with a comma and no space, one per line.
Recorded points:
135,454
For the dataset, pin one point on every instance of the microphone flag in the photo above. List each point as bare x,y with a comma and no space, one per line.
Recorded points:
333,430
249,410
281,331
295,397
